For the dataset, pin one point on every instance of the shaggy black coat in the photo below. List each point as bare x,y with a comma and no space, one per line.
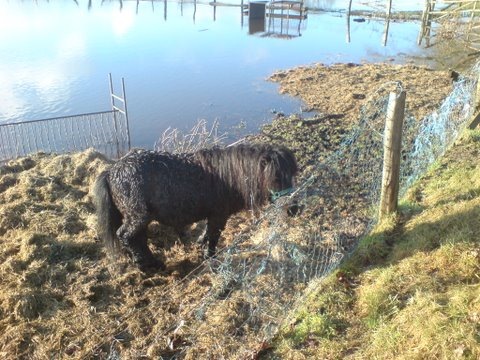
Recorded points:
178,190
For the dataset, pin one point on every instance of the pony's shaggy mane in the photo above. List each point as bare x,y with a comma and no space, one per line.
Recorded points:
247,169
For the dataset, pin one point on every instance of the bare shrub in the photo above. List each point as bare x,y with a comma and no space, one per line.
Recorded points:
199,137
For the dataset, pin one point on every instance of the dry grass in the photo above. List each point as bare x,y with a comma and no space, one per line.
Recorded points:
48,250
412,289
62,297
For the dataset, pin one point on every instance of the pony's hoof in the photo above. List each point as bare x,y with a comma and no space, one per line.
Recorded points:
153,265
208,254
295,210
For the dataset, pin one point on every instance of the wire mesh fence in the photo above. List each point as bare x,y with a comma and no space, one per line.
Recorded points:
105,131
232,305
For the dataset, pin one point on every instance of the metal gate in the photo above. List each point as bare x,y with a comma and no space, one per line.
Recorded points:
106,131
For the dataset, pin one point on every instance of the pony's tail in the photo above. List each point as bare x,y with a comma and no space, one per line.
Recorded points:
109,218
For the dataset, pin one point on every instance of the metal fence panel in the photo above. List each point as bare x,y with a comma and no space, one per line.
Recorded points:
107,132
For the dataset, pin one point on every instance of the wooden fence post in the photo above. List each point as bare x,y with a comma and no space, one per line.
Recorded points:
392,147
476,116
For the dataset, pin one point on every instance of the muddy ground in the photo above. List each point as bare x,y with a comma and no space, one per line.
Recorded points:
342,89
62,296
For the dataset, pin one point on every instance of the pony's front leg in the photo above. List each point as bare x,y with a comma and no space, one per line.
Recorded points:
215,227
133,236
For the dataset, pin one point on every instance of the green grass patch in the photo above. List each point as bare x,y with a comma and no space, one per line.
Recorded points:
411,290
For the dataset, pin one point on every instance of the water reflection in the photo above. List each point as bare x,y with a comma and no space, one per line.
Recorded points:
281,19
322,4
182,61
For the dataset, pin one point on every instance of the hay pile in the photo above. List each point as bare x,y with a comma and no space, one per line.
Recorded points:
54,275
62,297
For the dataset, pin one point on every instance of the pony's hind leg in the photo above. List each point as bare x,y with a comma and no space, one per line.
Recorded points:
215,227
133,236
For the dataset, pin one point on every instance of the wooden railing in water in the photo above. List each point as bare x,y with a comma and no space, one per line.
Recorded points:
453,19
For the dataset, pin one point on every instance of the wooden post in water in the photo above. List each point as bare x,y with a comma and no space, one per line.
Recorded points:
425,15
349,11
387,22
392,147
426,28
194,10
242,9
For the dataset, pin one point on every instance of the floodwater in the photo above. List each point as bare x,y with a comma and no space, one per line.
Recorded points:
182,61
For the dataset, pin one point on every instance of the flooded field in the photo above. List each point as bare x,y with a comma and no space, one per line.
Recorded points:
63,295
182,61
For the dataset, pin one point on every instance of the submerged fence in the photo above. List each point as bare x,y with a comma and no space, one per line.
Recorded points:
104,131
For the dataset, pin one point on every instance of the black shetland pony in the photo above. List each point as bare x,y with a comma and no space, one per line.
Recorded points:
178,190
